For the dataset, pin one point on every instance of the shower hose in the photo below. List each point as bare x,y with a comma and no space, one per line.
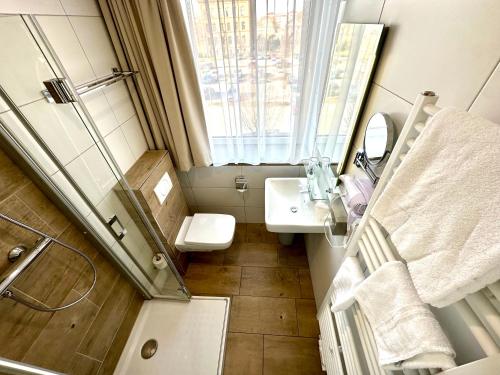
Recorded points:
38,306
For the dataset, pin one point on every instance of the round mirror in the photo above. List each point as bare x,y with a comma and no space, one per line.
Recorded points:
378,140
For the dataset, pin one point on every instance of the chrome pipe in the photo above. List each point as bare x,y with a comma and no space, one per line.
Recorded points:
25,263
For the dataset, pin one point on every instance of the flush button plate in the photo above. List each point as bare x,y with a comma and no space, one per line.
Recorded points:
163,187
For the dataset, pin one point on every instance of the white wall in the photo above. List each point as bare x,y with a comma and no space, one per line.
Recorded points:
451,47
324,262
212,189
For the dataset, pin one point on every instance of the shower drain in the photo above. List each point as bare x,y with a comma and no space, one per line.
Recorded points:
149,348
294,209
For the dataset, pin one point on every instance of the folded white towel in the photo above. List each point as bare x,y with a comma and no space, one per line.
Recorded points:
348,277
406,333
439,207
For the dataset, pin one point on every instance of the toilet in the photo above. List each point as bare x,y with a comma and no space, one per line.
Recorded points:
206,232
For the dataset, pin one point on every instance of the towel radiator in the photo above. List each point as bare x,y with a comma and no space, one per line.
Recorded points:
479,311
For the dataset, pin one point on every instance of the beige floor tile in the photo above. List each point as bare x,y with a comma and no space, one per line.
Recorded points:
274,316
293,256
306,317
240,233
210,257
252,254
291,356
270,282
258,233
244,354
207,279
306,289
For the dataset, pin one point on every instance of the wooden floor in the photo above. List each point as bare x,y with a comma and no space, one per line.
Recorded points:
273,328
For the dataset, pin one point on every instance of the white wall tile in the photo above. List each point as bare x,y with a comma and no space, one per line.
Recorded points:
93,174
237,212
487,103
29,144
112,205
137,245
254,197
23,67
95,41
448,46
255,214
68,48
102,229
363,11
60,127
135,137
218,197
214,176
31,7
81,7
65,186
256,175
120,149
101,112
379,100
120,101
189,195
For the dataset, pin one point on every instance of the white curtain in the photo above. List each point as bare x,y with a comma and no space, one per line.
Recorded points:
262,67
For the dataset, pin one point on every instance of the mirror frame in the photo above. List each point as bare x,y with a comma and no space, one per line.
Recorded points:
389,144
348,146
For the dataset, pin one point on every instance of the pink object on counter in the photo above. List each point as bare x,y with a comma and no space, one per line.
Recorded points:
358,192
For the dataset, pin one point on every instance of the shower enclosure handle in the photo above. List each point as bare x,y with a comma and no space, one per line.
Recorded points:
121,231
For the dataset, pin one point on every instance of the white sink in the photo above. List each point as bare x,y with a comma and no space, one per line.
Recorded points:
288,208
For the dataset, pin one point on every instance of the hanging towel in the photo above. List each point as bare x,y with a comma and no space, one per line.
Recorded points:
348,277
440,207
357,192
406,333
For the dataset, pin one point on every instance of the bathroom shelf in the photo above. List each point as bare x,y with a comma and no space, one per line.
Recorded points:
58,91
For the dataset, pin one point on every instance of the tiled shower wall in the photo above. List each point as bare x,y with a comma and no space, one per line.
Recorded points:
84,339
212,189
77,33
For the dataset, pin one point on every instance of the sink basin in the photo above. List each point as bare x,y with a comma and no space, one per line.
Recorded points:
288,208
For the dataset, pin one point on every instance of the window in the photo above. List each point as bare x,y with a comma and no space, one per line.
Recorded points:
253,89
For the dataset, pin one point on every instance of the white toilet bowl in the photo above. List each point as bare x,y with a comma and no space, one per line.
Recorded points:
206,232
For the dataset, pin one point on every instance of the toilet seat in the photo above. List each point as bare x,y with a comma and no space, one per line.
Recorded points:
206,232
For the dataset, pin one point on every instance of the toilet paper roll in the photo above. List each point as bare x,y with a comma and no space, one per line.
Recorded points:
159,261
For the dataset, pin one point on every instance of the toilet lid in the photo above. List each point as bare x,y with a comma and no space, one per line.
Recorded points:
210,229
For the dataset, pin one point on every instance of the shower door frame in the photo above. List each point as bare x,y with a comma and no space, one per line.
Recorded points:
39,36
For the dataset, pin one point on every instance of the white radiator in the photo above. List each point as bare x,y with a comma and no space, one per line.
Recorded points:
479,311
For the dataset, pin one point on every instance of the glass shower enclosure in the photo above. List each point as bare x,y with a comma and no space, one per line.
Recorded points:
67,151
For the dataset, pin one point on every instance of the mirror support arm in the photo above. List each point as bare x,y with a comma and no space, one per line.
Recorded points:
361,161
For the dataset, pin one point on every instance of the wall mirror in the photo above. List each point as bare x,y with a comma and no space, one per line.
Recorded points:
350,71
377,144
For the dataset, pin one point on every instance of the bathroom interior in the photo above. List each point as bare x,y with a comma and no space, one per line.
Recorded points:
252,187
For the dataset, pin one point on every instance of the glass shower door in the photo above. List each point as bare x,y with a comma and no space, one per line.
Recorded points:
65,145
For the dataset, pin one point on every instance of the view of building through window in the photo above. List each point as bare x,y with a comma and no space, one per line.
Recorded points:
248,52
250,57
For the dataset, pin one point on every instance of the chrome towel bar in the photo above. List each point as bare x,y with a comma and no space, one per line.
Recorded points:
58,91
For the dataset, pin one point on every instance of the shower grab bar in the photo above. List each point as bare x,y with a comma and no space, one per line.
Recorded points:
59,92
42,245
